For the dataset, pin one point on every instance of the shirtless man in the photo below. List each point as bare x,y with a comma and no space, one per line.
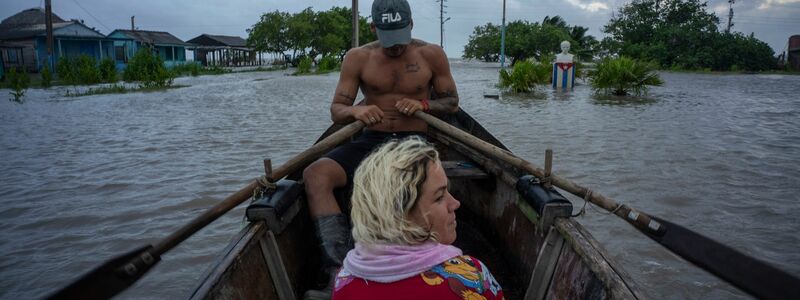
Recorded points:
395,74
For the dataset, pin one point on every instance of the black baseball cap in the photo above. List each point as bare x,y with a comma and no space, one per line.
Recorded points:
392,19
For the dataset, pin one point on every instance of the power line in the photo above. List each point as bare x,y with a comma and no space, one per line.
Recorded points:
91,15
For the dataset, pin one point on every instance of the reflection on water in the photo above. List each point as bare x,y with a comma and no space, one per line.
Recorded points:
623,100
87,178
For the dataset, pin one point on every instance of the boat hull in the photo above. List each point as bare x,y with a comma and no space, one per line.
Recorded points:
561,261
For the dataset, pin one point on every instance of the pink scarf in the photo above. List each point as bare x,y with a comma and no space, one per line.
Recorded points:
390,263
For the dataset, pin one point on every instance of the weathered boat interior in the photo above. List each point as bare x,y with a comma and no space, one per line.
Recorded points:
534,250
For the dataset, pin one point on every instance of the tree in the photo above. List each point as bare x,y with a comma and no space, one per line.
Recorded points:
587,44
484,43
529,40
680,33
365,34
269,34
307,32
331,31
300,31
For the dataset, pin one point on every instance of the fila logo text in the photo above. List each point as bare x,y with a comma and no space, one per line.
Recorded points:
389,18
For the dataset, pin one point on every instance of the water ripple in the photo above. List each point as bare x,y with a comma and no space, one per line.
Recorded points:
87,178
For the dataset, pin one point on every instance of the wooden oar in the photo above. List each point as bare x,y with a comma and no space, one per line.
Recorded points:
118,274
756,277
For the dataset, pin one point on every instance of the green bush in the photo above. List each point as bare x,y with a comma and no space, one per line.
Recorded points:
47,76
215,70
304,66
191,68
67,70
525,75
148,70
621,76
88,72
108,70
18,81
194,69
328,63
79,70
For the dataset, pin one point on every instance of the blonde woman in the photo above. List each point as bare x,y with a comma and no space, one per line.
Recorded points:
404,223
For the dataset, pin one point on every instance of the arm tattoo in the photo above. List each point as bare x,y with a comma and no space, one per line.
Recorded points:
448,94
446,101
348,97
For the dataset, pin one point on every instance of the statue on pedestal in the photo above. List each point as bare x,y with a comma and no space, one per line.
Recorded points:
564,68
564,56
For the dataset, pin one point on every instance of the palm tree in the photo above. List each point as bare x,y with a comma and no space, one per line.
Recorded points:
556,21
620,76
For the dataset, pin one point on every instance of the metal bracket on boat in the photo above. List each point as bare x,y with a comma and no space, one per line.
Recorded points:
278,207
546,201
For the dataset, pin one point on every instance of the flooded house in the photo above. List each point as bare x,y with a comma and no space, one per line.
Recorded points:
224,50
793,53
127,42
23,40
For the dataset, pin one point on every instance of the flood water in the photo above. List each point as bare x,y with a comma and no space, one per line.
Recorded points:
88,178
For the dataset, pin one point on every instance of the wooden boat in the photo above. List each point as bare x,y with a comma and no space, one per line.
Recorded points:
534,251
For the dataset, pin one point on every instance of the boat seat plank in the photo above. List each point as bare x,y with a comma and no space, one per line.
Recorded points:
463,170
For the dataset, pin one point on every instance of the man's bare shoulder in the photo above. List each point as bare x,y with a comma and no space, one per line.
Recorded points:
357,53
431,52
371,45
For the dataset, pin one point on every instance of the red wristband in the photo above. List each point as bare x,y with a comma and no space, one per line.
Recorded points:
425,106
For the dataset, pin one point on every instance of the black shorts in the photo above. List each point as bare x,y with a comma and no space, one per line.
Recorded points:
350,155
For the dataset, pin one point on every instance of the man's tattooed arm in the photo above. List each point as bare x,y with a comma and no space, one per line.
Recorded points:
443,84
342,102
445,102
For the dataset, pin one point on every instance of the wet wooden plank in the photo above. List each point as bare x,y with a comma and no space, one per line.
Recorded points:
545,265
594,259
277,270
241,273
573,279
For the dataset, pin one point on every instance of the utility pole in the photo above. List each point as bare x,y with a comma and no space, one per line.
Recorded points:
503,39
730,16
441,22
48,10
133,27
355,23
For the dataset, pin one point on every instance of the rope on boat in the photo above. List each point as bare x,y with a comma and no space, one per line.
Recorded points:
586,198
264,186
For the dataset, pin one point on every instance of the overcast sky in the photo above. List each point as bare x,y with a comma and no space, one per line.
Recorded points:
772,21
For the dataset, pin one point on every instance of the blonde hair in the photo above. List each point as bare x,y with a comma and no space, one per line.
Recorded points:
386,188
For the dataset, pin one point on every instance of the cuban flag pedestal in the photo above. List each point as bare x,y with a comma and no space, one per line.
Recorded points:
563,75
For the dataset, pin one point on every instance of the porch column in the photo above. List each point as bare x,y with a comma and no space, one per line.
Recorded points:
100,44
173,56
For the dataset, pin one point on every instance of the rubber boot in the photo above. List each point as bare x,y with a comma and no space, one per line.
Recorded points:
333,232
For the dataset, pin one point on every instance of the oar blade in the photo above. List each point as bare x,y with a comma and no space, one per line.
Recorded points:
756,277
110,278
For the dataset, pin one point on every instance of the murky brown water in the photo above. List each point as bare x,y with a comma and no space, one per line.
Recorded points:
84,179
